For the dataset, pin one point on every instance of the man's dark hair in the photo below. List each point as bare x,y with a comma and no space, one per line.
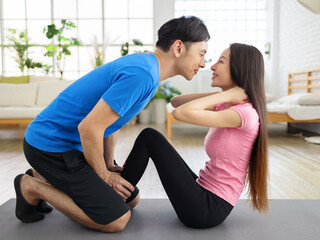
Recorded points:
188,29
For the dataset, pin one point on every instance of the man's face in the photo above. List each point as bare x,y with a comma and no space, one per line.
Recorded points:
192,59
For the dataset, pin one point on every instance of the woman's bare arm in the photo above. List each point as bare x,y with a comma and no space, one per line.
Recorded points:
195,111
182,99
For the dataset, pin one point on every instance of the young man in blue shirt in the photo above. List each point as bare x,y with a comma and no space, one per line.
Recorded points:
70,144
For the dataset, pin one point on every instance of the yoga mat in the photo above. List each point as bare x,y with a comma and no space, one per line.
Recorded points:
155,219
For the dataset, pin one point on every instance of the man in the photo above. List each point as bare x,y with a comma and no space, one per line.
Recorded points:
70,144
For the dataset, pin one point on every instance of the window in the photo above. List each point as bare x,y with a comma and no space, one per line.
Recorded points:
228,21
108,21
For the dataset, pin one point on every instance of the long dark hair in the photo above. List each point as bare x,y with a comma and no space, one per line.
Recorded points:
187,29
247,71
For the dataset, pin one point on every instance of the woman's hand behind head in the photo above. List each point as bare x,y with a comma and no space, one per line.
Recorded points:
236,95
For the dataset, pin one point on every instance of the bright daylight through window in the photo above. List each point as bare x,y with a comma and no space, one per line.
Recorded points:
107,22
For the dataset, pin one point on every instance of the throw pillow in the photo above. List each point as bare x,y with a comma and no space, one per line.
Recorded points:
15,80
269,97
310,99
49,90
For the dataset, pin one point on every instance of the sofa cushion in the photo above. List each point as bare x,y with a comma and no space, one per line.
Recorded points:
15,80
50,90
38,79
19,112
18,94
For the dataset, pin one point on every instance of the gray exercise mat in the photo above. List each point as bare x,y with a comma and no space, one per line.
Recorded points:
155,219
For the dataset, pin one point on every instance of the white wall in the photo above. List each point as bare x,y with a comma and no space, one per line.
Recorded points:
163,10
299,40
299,45
271,61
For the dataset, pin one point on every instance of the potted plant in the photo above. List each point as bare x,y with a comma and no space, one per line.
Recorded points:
98,59
100,49
160,99
125,47
144,115
19,41
59,49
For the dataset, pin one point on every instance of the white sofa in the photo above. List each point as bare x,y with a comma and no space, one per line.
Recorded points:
20,103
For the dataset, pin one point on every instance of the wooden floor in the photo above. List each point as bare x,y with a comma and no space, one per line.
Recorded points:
294,163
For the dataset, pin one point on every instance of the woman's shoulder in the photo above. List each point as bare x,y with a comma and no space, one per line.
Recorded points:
248,114
245,107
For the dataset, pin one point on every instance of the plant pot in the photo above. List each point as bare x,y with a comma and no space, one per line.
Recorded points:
160,110
144,116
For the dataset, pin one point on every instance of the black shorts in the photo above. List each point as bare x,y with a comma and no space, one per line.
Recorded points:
70,173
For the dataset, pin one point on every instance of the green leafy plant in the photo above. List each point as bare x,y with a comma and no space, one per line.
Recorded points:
19,41
47,68
100,50
60,47
166,91
98,59
125,46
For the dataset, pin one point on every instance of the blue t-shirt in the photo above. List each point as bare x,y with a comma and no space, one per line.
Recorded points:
126,85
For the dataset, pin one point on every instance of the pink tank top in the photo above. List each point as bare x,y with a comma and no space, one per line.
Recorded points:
229,150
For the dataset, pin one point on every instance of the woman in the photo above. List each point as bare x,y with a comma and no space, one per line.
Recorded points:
235,143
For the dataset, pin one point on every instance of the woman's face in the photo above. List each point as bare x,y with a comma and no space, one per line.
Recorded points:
221,72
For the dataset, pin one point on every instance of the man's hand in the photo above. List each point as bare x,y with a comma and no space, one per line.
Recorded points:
119,184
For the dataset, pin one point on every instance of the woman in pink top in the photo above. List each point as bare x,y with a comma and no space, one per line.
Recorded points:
236,143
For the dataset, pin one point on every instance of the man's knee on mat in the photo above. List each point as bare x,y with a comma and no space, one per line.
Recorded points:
134,202
117,225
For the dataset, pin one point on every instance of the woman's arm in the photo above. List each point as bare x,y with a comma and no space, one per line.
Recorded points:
182,99
195,111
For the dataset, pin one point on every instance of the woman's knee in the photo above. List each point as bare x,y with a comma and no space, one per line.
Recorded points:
150,132
151,136
117,225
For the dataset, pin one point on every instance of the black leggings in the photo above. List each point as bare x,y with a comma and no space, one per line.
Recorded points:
195,206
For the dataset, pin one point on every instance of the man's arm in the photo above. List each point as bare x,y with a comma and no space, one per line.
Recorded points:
91,130
109,145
